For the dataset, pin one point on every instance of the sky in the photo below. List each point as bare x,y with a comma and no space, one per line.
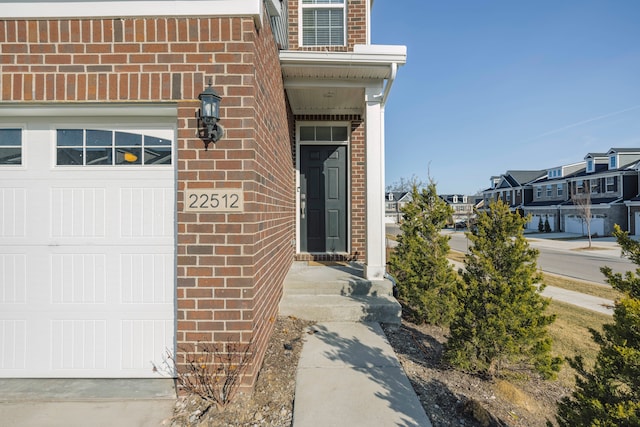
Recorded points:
497,85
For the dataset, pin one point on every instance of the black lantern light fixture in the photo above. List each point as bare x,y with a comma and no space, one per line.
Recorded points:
211,131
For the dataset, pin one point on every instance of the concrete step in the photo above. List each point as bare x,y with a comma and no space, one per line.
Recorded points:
342,308
345,287
337,292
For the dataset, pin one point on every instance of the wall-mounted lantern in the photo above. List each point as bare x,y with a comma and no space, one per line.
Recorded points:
210,131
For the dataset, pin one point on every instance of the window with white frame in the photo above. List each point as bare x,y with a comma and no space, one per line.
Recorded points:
508,196
613,162
595,185
590,165
549,190
94,147
538,192
559,190
323,22
10,147
612,184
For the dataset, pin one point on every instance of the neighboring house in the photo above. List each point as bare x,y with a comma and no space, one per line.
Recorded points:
610,179
394,201
548,194
514,188
124,232
463,207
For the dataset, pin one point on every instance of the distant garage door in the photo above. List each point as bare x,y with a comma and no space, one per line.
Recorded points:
574,224
535,221
87,257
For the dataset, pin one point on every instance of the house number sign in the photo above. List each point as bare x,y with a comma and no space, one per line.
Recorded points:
214,200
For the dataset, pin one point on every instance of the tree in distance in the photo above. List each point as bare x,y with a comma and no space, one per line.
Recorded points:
426,279
609,395
501,321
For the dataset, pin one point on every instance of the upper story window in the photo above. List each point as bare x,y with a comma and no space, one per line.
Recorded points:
88,147
464,199
455,199
559,190
10,147
549,190
538,191
590,165
323,22
612,184
613,163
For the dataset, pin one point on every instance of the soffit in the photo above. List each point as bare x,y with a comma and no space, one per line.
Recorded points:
334,82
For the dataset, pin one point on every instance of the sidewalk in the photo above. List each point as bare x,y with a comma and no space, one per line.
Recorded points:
605,246
348,375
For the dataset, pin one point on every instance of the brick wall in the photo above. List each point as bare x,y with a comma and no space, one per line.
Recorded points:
230,267
356,27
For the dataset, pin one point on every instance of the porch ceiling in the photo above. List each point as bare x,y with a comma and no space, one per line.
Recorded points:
334,82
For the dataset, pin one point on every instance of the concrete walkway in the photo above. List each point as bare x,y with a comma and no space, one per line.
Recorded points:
348,375
600,305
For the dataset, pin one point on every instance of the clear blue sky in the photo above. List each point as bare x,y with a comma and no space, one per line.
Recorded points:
497,85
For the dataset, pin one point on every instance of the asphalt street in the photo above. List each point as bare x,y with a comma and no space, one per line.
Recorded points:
568,257
561,254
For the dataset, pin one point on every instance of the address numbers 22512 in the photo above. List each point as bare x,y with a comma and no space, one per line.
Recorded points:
214,200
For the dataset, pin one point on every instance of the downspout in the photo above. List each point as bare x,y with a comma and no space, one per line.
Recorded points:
387,88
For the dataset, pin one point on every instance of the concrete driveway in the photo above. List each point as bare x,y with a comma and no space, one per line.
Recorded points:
86,402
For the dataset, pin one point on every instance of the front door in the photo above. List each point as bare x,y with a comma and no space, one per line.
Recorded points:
323,198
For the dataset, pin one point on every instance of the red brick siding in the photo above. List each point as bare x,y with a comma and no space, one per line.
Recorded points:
356,27
230,267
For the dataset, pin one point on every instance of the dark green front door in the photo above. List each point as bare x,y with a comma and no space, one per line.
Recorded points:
323,198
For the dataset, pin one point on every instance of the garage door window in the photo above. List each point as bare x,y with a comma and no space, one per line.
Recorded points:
10,146
88,147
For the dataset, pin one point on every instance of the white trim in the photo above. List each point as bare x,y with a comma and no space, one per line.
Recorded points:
118,9
346,143
361,55
345,13
375,264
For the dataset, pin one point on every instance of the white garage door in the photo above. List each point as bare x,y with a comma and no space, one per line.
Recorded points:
574,224
535,221
87,260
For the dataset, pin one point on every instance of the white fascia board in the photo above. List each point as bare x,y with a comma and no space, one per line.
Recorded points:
12,109
384,56
42,9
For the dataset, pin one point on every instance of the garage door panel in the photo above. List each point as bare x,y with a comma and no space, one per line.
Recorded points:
146,212
13,351
13,278
78,212
145,278
78,345
12,212
78,278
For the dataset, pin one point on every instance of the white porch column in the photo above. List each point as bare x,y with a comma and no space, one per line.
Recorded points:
375,262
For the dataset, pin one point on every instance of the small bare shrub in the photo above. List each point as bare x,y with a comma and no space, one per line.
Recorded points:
211,371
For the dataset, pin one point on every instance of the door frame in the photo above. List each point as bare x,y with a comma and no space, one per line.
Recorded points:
346,143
